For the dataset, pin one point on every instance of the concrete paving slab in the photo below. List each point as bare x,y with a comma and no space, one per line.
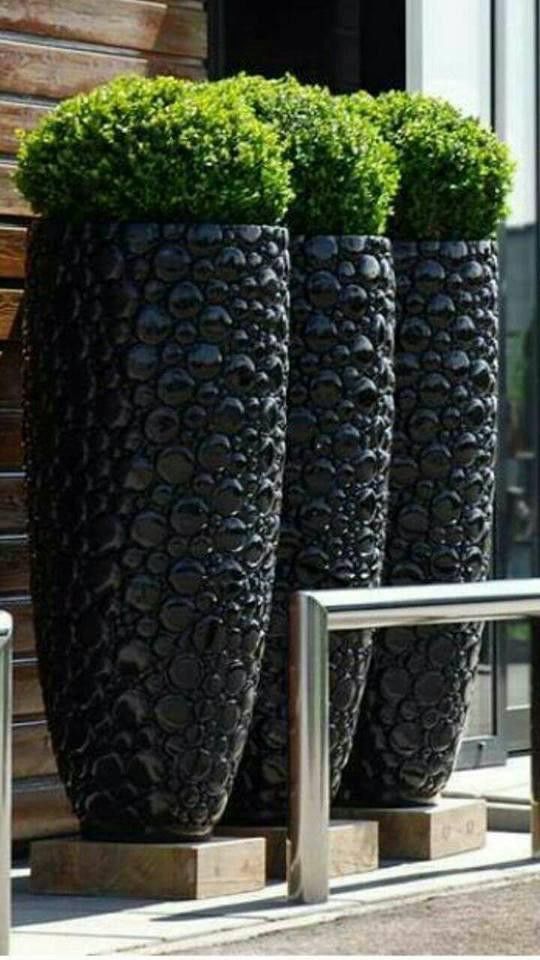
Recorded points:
510,783
495,921
86,926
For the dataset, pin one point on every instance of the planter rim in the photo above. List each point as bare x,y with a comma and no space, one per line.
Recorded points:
107,221
345,236
408,242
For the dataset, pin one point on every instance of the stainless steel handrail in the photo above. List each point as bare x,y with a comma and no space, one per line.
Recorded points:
313,614
6,628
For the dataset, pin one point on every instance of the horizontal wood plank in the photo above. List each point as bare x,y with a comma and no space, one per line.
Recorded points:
27,698
11,454
17,115
13,511
45,70
41,809
12,251
11,202
32,751
9,305
24,643
165,27
14,565
10,374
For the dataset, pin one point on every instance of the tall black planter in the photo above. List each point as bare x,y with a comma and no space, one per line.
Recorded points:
156,361
340,413
441,502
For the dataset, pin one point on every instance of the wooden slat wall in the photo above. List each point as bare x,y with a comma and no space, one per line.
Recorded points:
50,49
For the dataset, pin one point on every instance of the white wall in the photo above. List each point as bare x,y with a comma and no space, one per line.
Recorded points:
449,52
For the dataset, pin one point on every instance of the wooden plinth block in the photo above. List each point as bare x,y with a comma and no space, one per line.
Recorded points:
353,847
167,871
428,832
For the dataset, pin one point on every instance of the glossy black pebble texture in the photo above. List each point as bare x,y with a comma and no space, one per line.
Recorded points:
155,385
340,414
441,508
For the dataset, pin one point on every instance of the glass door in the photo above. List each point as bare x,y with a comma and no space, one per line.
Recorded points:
517,544
483,56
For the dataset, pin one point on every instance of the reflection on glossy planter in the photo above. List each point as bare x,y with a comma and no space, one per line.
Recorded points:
155,380
441,508
340,412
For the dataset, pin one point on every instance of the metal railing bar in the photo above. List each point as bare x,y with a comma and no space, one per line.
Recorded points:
451,603
313,614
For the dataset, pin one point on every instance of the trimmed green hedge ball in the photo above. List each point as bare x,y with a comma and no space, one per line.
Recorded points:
159,148
455,173
343,175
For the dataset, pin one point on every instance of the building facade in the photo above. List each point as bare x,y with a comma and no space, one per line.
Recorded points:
481,54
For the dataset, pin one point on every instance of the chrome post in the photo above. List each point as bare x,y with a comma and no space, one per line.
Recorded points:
6,627
309,764
316,612
535,737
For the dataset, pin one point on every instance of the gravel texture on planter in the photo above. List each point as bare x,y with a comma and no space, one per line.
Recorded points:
340,413
155,386
441,509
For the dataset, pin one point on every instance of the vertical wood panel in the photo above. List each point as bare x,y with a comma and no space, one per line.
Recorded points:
50,49
9,305
27,698
11,454
17,115
12,503
11,202
10,374
41,809
12,251
32,750
21,610
14,565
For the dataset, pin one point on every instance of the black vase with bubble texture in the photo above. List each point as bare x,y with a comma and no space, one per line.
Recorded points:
340,414
155,379
440,518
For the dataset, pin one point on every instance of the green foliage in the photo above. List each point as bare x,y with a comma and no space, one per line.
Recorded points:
344,176
155,149
455,173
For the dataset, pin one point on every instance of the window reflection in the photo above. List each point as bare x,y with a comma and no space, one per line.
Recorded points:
517,496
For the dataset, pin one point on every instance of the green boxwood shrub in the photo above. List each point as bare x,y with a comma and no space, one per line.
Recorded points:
344,176
164,148
455,174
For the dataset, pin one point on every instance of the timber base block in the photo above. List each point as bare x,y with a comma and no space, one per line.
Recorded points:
353,847
217,867
427,832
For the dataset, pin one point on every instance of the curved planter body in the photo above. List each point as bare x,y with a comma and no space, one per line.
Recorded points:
340,413
156,361
441,507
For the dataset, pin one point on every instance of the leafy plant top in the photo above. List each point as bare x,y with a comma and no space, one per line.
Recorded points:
343,175
455,173
161,148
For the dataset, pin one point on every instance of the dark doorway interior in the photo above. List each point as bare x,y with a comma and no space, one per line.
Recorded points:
346,44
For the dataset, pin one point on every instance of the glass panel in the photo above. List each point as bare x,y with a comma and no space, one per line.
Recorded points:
449,55
481,715
449,52
517,494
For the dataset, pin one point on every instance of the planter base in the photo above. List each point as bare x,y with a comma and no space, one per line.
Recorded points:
165,871
426,832
353,847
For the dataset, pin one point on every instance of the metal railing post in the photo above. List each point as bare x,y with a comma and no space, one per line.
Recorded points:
313,614
535,737
309,765
6,628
